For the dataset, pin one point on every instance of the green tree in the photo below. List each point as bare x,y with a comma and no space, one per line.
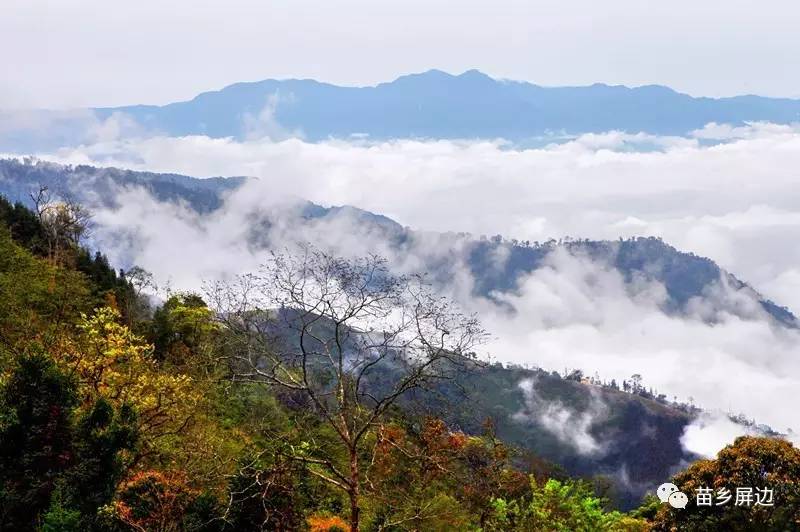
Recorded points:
58,464
559,506
35,439
184,333
99,437
24,226
38,302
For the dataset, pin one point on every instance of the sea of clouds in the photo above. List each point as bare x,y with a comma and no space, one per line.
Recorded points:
728,193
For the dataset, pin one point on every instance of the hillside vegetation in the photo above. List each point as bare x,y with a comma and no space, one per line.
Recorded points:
119,415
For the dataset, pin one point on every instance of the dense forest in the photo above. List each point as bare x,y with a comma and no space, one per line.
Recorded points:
283,400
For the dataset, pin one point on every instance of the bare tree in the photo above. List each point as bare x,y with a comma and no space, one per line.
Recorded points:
136,304
350,337
65,223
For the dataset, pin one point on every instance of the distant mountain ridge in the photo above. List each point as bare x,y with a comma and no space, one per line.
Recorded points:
428,105
435,104
687,278
18,178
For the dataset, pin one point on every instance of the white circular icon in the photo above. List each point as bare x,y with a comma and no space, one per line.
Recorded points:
678,500
665,490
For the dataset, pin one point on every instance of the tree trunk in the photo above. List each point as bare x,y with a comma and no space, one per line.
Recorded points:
354,491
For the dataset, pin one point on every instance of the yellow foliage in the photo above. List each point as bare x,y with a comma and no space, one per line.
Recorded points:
110,361
175,411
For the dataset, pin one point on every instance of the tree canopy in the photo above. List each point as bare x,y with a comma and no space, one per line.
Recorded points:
278,401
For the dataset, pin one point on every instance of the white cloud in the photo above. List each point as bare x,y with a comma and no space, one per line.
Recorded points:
571,313
265,125
715,131
711,432
25,128
575,314
736,203
570,426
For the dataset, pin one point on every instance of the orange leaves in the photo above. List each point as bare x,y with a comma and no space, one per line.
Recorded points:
154,500
457,440
392,433
434,453
438,438
754,462
320,523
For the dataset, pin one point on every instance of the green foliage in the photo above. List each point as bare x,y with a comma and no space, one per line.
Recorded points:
60,518
113,418
23,226
183,333
58,463
102,278
28,232
648,509
99,437
559,506
35,438
38,301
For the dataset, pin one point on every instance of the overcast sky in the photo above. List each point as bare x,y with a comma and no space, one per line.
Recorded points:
59,53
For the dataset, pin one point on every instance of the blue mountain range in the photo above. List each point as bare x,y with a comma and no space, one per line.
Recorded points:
436,104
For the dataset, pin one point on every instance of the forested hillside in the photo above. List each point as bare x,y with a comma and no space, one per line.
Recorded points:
118,415
122,413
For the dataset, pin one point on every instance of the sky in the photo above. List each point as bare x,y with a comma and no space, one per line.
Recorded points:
80,53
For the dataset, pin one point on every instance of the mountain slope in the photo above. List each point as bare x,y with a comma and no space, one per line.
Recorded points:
685,276
495,264
89,184
588,429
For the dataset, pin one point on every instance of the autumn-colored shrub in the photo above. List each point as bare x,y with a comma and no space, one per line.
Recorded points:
154,500
325,523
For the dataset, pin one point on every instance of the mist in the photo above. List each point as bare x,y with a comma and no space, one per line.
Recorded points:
728,193
734,201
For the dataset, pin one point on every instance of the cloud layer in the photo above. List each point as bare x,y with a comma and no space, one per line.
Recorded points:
735,202
729,193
